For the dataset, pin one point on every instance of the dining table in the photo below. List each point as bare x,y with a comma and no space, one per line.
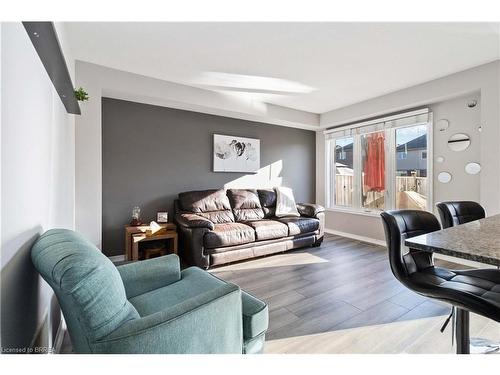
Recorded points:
477,241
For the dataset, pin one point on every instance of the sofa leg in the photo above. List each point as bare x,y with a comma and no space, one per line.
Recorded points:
318,242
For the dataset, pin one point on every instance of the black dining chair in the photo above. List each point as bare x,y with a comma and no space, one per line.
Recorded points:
476,291
459,212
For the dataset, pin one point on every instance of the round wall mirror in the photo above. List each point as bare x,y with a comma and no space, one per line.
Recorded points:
443,124
444,177
473,168
440,159
459,142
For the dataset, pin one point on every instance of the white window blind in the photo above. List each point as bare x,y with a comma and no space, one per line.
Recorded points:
404,119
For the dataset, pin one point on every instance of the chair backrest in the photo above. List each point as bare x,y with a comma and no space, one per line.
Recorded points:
459,212
88,286
400,225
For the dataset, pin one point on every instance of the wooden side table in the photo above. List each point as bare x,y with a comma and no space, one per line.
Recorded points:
135,235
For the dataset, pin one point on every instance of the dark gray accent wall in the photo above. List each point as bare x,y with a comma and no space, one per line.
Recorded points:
151,153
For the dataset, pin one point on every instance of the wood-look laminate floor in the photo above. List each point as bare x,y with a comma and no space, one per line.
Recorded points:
343,298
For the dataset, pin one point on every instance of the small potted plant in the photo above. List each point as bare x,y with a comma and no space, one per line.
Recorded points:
81,95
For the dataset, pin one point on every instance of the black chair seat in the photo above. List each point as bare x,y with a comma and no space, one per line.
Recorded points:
477,291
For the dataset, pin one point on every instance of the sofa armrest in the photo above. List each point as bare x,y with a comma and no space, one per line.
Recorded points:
309,209
207,323
189,220
141,277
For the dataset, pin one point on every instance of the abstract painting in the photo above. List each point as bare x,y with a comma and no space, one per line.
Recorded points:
236,154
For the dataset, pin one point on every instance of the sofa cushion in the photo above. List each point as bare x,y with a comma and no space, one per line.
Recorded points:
255,316
211,204
300,225
229,234
245,204
268,229
267,199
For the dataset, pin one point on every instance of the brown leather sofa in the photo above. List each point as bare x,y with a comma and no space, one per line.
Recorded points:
219,226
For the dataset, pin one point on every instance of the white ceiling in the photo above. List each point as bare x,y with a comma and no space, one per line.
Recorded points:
313,67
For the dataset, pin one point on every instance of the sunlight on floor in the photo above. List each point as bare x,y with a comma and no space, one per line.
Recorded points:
281,260
412,336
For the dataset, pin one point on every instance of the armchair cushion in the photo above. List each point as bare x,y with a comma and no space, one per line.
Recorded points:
309,209
210,322
142,277
193,221
192,284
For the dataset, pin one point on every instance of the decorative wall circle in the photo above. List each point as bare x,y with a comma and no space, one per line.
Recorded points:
440,159
444,177
459,142
443,124
473,168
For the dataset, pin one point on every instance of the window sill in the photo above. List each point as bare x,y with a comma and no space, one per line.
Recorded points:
354,211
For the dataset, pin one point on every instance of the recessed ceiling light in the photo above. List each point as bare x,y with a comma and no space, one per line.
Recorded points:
36,34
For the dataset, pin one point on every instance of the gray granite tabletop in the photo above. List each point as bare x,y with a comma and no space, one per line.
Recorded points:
478,241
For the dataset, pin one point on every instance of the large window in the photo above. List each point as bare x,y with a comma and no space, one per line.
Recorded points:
381,165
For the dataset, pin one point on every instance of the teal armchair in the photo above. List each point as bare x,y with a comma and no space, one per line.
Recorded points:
146,307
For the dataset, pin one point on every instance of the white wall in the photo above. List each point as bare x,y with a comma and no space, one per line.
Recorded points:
446,98
37,181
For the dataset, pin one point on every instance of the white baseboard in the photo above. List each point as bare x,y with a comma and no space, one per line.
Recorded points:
465,262
356,237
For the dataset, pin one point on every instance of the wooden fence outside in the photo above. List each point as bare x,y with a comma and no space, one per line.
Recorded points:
344,187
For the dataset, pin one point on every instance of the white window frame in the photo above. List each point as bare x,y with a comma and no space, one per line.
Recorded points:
390,158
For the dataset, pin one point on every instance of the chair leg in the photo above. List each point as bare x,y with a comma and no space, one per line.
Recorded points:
462,331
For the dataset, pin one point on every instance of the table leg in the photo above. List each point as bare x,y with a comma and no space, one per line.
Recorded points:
175,244
135,251
127,245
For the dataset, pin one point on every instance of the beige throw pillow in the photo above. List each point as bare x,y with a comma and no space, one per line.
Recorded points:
285,203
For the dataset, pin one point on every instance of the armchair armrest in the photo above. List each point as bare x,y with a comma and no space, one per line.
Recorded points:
144,276
309,209
207,323
189,220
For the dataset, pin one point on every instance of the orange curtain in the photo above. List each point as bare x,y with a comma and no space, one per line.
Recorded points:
375,162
